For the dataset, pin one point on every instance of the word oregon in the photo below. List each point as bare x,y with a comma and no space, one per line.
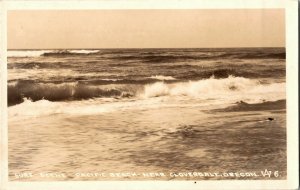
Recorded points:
208,174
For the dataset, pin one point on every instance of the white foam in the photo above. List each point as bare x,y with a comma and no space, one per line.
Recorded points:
12,83
26,53
86,107
83,51
111,80
229,89
161,77
156,89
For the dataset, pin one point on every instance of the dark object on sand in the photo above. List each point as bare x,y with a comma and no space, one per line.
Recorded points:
270,118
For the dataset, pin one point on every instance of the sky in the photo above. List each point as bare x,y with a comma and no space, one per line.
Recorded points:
203,28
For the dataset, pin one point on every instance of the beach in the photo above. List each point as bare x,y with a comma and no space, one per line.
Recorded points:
77,114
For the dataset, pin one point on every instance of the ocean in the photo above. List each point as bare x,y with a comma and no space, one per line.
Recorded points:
124,114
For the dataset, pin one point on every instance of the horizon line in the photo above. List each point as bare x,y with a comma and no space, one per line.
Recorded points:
141,48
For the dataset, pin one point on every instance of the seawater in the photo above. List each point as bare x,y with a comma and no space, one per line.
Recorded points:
146,111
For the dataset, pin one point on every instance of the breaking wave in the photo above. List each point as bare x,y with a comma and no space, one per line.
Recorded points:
60,92
225,90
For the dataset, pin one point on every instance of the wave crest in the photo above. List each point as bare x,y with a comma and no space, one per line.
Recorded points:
226,90
69,52
62,92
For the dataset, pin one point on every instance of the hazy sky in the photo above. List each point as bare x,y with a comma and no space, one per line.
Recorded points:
146,28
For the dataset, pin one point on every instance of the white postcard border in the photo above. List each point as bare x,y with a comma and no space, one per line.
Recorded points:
291,7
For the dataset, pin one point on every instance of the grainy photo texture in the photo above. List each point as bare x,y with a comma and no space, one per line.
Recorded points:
146,95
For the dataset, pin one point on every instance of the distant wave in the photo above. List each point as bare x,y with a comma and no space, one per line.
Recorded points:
158,56
27,53
161,77
192,74
280,55
167,72
89,80
161,58
70,52
37,53
229,89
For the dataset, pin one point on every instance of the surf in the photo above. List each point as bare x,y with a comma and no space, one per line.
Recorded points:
226,90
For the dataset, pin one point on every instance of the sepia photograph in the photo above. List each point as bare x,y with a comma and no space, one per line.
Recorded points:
147,95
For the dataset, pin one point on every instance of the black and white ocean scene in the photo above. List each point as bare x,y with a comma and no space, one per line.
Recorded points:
147,110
